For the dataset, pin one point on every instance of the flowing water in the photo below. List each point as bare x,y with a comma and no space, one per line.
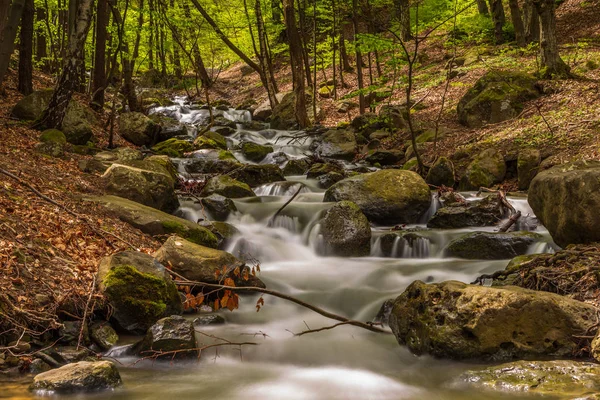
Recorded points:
342,363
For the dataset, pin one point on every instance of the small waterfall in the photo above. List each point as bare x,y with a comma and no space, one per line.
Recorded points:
280,189
292,224
315,239
433,207
407,245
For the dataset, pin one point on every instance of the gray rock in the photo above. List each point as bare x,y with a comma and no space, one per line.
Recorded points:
83,376
173,335
462,214
218,206
338,143
103,334
491,245
256,175
346,231
227,186
138,129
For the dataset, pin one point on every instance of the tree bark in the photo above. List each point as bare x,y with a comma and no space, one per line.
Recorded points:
552,65
68,82
531,20
403,11
499,19
515,15
9,33
4,10
296,62
25,84
482,7
359,62
41,50
99,79
263,55
302,21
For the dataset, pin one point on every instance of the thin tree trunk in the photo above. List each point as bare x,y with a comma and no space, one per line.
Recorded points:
552,65
296,62
334,47
482,7
531,20
41,52
9,33
515,15
151,36
359,63
344,60
99,79
302,20
404,17
25,84
263,55
4,10
499,19
199,66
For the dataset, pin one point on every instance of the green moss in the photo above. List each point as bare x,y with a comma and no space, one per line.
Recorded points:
173,147
226,155
255,152
54,136
210,140
410,164
386,182
200,235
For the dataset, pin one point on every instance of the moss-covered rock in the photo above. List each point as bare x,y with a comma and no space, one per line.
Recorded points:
441,173
486,169
219,207
326,91
496,97
154,222
209,161
528,163
138,129
384,157
296,167
227,186
553,379
210,140
284,114
411,165
338,143
83,376
153,189
54,136
256,175
254,151
394,117
566,199
103,334
170,334
462,214
173,147
491,245
139,290
385,197
52,149
165,163
346,231
459,321
319,169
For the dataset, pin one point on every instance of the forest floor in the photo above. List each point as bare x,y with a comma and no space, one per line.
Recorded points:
48,256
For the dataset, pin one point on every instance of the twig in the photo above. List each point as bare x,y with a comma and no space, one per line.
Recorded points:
159,353
272,220
511,221
325,328
85,312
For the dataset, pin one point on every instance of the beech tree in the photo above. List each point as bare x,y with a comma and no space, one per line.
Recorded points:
552,65
295,47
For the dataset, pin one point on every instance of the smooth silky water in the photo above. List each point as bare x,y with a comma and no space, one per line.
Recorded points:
343,363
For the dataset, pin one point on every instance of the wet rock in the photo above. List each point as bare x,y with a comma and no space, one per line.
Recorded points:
138,129
385,197
37,366
210,161
173,147
496,97
222,230
264,111
71,354
491,245
296,167
384,157
555,379
210,140
338,143
227,186
153,189
253,125
223,130
170,334
199,263
458,213
284,114
83,376
70,331
139,290
210,319
346,231
329,179
441,173
566,199
383,315
218,206
154,222
169,127
486,169
279,158
459,321
255,152
528,163
103,334
256,175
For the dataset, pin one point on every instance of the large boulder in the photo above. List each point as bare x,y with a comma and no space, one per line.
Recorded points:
153,189
227,186
199,263
139,290
486,169
284,114
175,336
441,173
296,167
346,231
459,321
210,140
459,213
78,121
84,376
169,127
210,161
566,199
138,129
254,151
528,163
264,110
338,143
560,379
385,197
496,97
491,245
219,207
256,175
173,147
154,222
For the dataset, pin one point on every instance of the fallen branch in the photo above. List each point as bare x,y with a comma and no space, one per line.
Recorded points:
155,354
511,221
324,328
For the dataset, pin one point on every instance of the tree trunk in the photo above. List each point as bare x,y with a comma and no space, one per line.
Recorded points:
151,36
482,7
499,19
99,79
302,20
515,15
359,62
552,65
344,60
4,10
25,84
263,55
9,33
403,11
296,62
531,20
53,115
41,51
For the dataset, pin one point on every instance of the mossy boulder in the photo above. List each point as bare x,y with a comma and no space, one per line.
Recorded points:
153,189
284,114
139,290
209,161
138,129
496,97
566,199
199,263
227,186
52,149
54,136
219,207
462,214
173,147
394,117
103,334
296,167
254,151
367,123
562,379
338,143
154,222
174,335
326,91
318,169
84,376
459,321
411,165
441,173
528,163
385,197
329,179
491,245
166,164
346,231
210,140
384,157
78,121
256,175
486,169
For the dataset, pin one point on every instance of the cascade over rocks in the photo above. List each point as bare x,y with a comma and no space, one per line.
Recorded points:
210,140
491,245
256,175
210,161
459,321
83,376
346,231
173,147
338,143
169,334
486,169
393,242
386,196
138,129
227,186
566,199
139,290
